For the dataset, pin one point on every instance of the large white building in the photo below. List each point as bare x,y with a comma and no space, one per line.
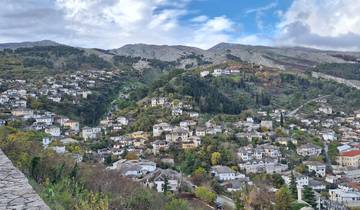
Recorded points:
223,173
346,196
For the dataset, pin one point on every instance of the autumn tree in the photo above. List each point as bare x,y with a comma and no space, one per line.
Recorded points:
204,194
177,204
283,199
215,158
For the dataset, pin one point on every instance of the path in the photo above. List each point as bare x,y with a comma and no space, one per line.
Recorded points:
15,191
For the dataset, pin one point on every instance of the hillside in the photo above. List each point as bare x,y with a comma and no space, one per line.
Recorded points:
278,57
42,43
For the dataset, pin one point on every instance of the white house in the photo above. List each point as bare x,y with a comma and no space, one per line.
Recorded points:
158,129
90,133
318,167
204,73
223,173
308,150
347,196
158,178
53,131
122,120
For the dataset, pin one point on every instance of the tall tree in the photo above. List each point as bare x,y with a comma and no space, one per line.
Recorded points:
293,186
166,185
283,199
309,196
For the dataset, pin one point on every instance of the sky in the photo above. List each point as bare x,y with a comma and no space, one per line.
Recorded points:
108,24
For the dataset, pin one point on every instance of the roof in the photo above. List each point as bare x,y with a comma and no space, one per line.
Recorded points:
351,153
222,169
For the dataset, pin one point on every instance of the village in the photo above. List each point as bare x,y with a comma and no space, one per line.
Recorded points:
318,150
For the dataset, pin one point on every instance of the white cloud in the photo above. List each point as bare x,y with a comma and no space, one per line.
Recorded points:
112,23
212,31
331,24
260,12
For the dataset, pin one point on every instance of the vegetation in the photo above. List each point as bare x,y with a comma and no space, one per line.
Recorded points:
350,71
283,199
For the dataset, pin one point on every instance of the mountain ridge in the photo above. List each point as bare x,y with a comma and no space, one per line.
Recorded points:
278,57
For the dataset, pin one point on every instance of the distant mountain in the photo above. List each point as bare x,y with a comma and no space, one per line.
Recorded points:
28,44
187,57
160,52
279,57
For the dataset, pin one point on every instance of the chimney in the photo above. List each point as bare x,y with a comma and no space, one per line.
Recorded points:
299,192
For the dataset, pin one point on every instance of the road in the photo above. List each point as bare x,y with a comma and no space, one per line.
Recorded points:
292,113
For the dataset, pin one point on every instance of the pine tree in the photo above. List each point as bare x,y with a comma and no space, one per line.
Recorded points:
166,185
309,196
293,187
281,119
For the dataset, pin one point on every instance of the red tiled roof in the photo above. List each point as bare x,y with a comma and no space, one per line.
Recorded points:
351,153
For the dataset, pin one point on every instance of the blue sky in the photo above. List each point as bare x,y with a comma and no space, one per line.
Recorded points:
324,24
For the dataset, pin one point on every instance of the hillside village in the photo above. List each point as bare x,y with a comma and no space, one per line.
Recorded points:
185,149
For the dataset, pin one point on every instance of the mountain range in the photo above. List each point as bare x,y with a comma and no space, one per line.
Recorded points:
278,57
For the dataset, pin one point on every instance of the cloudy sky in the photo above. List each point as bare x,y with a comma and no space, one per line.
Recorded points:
325,24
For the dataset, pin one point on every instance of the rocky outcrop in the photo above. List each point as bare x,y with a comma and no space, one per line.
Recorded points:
15,191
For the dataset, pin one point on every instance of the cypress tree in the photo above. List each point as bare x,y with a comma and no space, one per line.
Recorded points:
309,196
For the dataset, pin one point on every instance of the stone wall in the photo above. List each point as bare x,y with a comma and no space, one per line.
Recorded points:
15,190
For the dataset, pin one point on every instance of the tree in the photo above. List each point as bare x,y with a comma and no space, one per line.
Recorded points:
215,158
199,176
283,199
166,185
204,194
309,196
177,204
293,186
281,119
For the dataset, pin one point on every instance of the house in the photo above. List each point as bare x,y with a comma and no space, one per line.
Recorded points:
266,124
223,173
134,168
326,109
200,131
21,112
158,129
316,166
193,114
47,120
267,165
193,142
69,141
90,133
159,145
46,141
178,134
301,180
344,195
217,72
204,73
176,112
308,150
53,131
328,135
58,149
160,177
159,101
122,120
349,159
72,124
2,122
